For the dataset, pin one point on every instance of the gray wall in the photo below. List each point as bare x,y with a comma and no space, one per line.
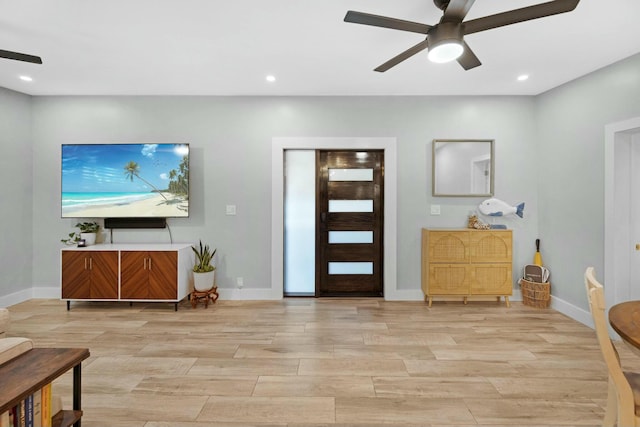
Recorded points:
571,121
16,257
548,154
231,164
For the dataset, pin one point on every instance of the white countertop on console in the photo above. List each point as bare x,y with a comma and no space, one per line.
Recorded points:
130,247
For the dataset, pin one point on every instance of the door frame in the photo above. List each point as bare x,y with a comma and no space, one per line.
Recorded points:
279,145
617,249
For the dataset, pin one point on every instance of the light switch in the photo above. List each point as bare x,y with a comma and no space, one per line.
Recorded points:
231,209
435,209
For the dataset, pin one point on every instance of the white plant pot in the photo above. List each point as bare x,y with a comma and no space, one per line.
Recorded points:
204,281
89,238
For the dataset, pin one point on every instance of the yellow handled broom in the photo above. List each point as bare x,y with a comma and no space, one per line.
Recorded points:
537,258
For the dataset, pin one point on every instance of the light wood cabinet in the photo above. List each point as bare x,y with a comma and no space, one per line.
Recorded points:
467,263
90,275
129,272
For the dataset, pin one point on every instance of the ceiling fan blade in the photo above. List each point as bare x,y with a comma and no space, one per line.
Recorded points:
468,59
404,55
20,57
456,10
519,15
385,22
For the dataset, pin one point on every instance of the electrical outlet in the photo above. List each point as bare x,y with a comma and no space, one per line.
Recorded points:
230,209
240,282
435,209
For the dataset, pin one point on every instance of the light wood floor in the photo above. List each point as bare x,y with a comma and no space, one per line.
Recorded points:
321,362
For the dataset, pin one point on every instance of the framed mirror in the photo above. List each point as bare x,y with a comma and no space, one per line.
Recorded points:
462,168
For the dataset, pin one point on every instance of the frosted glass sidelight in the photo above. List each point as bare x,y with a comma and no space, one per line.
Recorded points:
350,268
350,237
299,222
350,205
350,174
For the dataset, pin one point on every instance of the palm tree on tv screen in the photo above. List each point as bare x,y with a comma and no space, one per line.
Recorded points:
132,169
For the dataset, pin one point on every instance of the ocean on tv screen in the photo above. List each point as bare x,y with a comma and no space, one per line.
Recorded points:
125,180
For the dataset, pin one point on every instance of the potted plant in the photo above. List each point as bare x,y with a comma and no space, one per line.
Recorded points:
203,271
88,233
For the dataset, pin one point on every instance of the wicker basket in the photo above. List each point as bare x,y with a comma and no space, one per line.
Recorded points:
535,294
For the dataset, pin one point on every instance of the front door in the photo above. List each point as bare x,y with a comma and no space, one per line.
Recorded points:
349,223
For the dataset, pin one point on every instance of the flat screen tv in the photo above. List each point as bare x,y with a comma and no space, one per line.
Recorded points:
125,180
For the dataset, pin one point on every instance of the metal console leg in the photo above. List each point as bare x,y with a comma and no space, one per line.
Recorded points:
77,390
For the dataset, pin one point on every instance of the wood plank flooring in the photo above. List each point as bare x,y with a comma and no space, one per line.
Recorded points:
325,362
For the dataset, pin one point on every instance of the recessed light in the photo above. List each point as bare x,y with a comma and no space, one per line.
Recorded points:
523,77
270,78
26,78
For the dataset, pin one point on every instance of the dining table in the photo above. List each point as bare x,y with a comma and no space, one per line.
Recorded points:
624,318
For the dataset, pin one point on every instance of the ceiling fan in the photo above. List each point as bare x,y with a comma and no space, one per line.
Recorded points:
20,57
445,40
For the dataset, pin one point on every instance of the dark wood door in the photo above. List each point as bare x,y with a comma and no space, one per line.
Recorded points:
349,230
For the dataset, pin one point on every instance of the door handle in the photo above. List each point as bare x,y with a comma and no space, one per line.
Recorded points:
323,217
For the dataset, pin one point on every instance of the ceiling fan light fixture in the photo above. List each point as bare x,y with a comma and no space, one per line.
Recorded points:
445,42
445,52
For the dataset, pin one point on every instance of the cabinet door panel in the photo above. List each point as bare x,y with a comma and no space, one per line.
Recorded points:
449,246
75,275
491,279
163,275
104,274
134,275
491,246
449,279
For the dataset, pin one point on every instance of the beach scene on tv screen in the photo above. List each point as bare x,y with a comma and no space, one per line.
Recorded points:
125,180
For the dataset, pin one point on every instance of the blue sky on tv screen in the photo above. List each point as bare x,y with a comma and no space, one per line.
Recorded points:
100,167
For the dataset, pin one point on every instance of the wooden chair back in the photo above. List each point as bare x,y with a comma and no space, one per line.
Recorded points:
620,400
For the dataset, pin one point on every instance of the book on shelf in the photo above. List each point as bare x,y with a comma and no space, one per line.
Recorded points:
46,405
22,414
37,408
5,419
28,411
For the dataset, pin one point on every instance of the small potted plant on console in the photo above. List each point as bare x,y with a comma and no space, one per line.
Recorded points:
87,235
203,271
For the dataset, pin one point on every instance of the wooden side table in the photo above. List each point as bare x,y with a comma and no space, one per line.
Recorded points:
30,371
205,296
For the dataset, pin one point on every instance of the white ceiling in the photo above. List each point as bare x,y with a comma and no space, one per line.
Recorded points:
215,47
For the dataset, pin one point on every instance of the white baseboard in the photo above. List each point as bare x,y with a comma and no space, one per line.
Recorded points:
16,297
570,310
404,295
27,294
54,292
247,294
